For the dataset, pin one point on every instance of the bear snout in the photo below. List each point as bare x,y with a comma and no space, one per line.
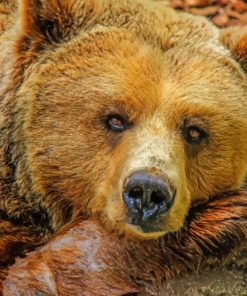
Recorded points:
147,197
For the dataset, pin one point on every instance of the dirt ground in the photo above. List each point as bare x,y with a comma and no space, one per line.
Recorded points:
230,280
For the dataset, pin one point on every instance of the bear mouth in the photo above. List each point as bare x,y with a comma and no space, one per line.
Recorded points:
152,228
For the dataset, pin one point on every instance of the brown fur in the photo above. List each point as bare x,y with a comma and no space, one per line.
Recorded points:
83,259
65,65
236,40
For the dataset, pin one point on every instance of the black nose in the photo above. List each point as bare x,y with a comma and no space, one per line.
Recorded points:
147,196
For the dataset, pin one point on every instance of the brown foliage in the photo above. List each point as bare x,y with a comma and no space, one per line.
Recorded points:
223,13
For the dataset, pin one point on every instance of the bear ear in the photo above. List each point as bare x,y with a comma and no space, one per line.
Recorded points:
56,20
235,39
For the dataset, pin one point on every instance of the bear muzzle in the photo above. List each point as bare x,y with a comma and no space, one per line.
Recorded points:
148,198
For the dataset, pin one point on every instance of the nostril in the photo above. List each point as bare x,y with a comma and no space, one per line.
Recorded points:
136,192
157,197
146,196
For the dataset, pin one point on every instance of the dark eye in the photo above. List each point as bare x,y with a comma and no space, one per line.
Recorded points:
194,134
116,123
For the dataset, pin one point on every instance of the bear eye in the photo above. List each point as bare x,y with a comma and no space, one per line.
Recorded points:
115,123
194,134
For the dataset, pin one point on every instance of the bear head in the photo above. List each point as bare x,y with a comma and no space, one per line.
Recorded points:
127,111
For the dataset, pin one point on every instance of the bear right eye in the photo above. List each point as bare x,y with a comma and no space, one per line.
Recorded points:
116,123
194,134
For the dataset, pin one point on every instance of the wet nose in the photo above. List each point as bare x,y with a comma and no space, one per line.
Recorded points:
147,196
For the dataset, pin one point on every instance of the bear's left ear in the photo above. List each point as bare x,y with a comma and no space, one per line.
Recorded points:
55,20
235,39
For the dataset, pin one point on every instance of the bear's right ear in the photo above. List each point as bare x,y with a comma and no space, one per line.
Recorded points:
55,20
235,39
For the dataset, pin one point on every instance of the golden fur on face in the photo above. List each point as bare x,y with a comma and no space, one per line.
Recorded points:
160,80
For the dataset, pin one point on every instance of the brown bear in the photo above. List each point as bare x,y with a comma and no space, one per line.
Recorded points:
126,112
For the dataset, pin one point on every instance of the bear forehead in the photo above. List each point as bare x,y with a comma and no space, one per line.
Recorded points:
116,65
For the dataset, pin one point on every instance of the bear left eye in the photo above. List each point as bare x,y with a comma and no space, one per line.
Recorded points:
115,123
194,134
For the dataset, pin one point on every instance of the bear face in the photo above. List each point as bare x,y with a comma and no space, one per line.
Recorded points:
128,127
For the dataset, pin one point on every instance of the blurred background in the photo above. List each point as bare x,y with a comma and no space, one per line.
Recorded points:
223,13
